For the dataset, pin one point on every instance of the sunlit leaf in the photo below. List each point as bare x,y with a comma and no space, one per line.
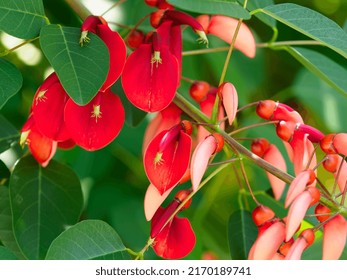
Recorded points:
311,24
22,18
44,202
322,66
90,239
242,233
81,70
213,7
10,81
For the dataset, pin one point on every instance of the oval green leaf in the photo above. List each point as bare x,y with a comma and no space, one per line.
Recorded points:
8,134
87,240
213,7
311,24
10,81
44,202
6,232
323,67
81,70
22,18
242,233
6,254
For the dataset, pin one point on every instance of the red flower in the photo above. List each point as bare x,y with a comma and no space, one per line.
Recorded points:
167,157
95,125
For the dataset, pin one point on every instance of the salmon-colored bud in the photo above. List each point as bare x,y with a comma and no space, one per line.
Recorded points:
266,108
320,210
340,143
219,141
153,200
209,256
187,127
315,194
297,212
262,214
314,135
285,247
334,238
198,90
326,144
260,146
298,185
308,235
181,196
228,95
156,18
331,162
285,130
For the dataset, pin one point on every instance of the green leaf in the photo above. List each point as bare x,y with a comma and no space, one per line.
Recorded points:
87,240
242,233
10,81
44,202
311,24
6,231
213,7
81,70
256,4
323,67
4,173
22,18
8,134
6,254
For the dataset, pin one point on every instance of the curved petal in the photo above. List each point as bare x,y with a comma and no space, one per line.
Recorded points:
296,213
342,175
267,244
230,101
150,86
153,200
96,124
302,152
117,51
340,143
274,156
286,113
164,170
176,240
200,159
224,28
334,238
296,249
297,186
48,110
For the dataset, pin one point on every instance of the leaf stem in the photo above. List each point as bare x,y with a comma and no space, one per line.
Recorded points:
113,6
79,8
251,126
6,52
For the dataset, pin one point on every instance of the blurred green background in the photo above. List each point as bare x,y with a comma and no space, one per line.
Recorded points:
113,179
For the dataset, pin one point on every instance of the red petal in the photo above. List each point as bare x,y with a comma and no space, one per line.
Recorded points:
117,51
224,28
153,200
67,145
48,110
274,156
150,86
334,238
95,132
41,147
166,171
200,160
176,240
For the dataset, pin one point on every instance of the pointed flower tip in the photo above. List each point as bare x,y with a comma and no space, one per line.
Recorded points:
227,92
298,186
153,200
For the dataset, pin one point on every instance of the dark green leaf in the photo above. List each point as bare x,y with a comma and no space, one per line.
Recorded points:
6,254
22,18
10,81
322,66
256,4
242,233
4,173
6,231
311,24
44,202
81,70
220,7
87,240
8,134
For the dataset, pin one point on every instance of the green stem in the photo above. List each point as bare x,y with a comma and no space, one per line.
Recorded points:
79,8
6,52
